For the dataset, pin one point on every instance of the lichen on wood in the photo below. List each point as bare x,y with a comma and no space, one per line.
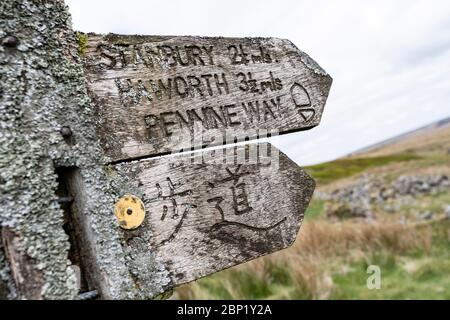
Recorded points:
43,90
82,39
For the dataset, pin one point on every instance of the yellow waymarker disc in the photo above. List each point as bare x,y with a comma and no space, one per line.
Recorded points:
129,211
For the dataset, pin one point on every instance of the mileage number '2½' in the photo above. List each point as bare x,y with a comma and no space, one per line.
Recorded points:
238,55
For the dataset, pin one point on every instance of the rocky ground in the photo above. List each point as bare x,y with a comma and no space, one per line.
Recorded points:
370,193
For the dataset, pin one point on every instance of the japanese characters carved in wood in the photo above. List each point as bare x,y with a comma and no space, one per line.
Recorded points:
202,217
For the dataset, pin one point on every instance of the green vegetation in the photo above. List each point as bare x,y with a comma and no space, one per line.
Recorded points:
342,168
224,286
314,209
81,39
415,276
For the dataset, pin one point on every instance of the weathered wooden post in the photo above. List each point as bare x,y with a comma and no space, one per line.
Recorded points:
95,194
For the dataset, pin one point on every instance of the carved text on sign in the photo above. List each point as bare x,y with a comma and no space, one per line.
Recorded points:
204,217
150,92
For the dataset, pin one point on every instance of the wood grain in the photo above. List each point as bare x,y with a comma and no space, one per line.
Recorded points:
26,274
155,95
204,217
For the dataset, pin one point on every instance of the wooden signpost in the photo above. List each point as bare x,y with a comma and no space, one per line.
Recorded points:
202,218
126,215
150,92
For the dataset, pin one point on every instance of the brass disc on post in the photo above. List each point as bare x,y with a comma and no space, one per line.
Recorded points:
129,211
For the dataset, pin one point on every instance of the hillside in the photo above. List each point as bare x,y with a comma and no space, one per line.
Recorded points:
387,205
421,151
434,134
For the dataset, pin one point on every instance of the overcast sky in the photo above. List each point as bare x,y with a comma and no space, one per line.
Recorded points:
390,60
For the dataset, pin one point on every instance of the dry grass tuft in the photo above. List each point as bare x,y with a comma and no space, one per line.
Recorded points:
305,269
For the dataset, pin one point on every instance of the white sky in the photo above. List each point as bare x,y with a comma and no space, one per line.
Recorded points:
390,60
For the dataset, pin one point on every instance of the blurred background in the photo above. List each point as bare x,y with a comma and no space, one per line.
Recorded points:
381,155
